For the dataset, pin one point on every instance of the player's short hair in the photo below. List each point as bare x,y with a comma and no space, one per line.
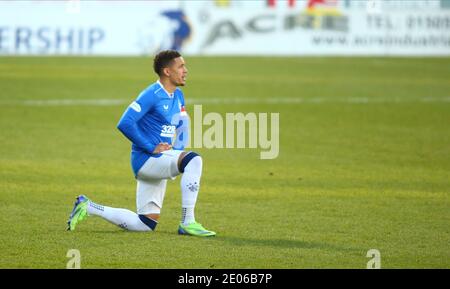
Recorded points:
163,60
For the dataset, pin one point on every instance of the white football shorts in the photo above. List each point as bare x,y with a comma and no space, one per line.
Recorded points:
152,181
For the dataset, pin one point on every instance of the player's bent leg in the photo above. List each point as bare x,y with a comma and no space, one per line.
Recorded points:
149,197
191,164
123,218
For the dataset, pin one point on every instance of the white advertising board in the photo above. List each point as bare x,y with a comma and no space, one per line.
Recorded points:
202,28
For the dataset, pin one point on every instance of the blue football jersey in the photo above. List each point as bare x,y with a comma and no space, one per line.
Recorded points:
151,119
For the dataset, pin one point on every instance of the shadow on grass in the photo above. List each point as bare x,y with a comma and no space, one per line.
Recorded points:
242,241
280,243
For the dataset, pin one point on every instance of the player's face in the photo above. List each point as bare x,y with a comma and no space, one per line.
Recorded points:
178,72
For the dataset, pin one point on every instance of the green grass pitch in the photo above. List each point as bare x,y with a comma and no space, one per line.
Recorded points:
364,164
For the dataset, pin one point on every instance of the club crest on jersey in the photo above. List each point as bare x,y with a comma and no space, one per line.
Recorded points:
182,109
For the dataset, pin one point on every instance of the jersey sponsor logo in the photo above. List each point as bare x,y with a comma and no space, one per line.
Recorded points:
135,106
167,131
166,107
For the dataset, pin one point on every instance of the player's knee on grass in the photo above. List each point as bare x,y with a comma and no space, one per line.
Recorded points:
151,215
154,217
188,157
149,221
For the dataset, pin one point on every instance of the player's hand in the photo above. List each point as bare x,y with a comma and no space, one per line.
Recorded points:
163,146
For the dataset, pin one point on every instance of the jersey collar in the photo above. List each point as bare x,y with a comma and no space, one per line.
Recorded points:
170,95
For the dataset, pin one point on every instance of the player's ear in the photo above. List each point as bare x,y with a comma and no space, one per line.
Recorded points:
166,71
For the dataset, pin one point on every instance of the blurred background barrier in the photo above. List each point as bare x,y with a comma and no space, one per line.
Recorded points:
226,27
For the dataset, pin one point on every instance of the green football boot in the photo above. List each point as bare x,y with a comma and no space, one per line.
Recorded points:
195,229
79,212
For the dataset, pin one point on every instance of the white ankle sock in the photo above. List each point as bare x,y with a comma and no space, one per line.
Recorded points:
123,218
187,216
190,184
